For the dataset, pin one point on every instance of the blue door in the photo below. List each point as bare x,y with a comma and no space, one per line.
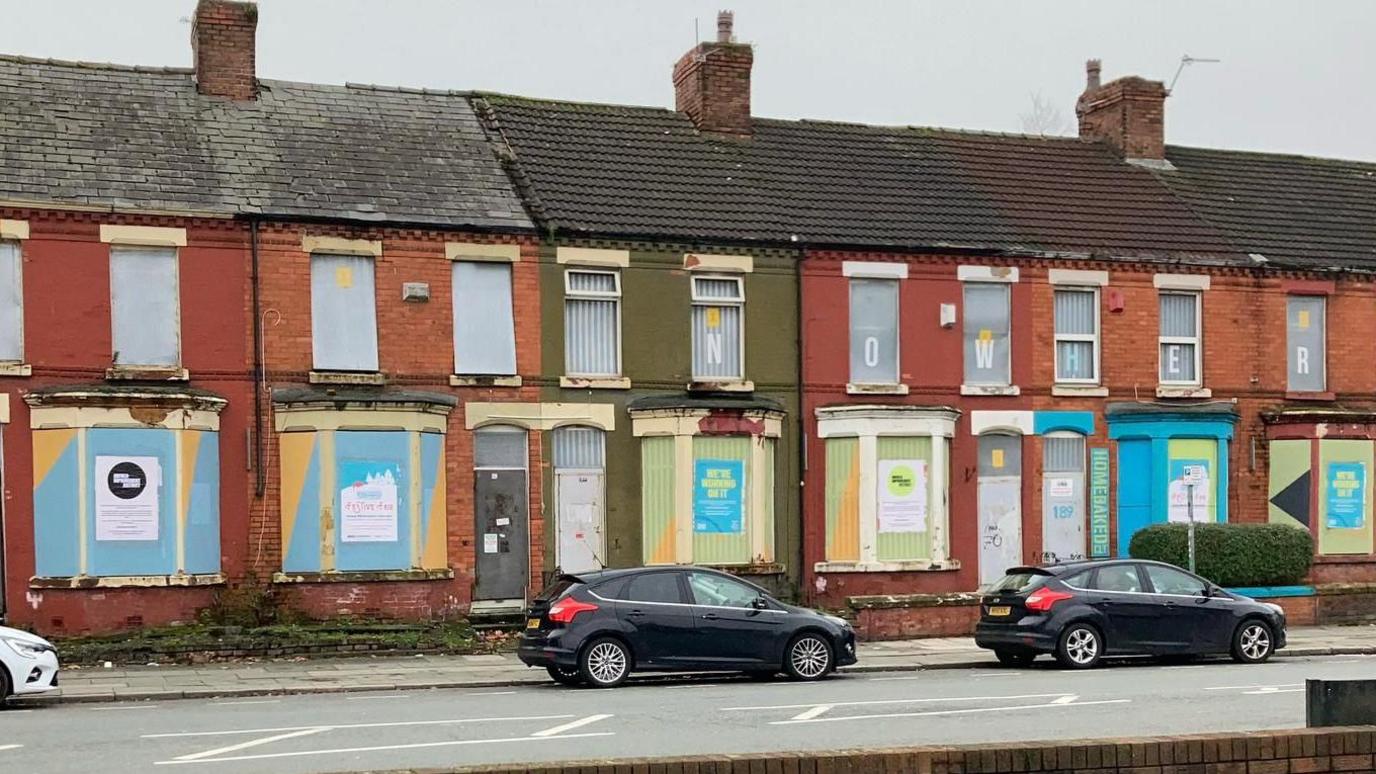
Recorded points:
1134,490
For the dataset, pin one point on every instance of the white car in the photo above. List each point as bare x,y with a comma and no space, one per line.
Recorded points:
28,663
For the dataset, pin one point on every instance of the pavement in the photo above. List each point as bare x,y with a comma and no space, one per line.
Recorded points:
393,673
516,725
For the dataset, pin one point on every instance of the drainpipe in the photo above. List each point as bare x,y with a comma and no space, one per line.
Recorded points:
804,593
259,381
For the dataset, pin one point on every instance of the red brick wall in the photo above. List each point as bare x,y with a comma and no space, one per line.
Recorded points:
67,340
416,351
1243,360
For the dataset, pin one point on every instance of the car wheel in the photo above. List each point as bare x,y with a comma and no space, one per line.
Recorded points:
808,657
1253,642
1015,658
1080,647
605,663
565,675
4,685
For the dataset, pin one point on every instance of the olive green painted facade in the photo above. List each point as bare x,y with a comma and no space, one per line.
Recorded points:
656,357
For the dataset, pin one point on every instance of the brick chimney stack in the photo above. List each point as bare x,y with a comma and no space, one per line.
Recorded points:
1128,113
712,83
222,45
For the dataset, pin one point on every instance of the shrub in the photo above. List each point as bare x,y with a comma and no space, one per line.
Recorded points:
1231,554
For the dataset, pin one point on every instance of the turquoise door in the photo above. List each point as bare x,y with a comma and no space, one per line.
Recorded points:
1134,489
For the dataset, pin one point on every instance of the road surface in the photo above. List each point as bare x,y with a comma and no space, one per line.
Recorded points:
678,716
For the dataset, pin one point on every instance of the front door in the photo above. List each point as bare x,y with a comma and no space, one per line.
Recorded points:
730,628
501,529
1000,505
579,514
1063,498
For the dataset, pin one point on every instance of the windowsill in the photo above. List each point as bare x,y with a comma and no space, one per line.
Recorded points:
457,380
733,385
990,389
595,382
348,377
1344,559
16,369
1183,391
1079,390
362,576
876,389
770,568
127,581
133,373
916,565
1310,396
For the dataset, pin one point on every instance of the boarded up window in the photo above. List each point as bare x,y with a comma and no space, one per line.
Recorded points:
592,323
987,348
1180,334
873,331
1305,334
144,308
343,313
484,328
11,303
718,328
1077,336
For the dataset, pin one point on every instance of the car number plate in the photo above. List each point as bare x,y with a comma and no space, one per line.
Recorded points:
533,623
1000,610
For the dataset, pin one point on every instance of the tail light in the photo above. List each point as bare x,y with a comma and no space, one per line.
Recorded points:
566,609
1044,598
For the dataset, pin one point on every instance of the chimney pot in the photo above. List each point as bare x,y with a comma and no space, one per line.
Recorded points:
1092,68
712,83
223,42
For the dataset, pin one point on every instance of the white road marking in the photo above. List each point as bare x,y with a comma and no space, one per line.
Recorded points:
996,674
236,703
933,713
4,747
1268,691
1254,687
452,721
491,693
250,743
383,748
123,707
1065,700
589,720
373,697
898,701
817,711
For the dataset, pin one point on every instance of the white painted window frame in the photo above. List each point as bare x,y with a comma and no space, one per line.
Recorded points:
1092,337
1197,340
737,302
594,295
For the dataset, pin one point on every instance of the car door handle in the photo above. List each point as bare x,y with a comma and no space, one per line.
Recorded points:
709,616
636,613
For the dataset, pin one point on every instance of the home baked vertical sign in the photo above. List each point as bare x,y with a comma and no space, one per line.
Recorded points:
1098,503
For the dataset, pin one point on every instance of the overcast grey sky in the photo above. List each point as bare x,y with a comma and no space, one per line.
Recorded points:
1295,77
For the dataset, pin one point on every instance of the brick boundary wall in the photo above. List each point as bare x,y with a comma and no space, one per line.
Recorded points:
1264,752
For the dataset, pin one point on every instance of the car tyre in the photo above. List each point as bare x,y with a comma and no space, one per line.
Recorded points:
1080,646
808,657
605,663
1015,658
5,686
1253,642
569,676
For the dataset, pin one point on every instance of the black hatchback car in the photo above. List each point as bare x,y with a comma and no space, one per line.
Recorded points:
596,628
1083,611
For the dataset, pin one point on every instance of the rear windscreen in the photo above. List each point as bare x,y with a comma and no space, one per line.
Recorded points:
1019,582
556,589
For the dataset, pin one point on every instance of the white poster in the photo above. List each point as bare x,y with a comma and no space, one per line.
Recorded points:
127,498
903,496
1179,510
368,509
1060,487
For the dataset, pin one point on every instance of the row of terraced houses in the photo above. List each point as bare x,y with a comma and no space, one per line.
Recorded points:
410,353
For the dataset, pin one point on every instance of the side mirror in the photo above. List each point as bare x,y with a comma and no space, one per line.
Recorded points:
759,603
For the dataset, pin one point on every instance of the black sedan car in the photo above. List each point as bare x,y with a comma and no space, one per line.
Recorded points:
1083,611
596,628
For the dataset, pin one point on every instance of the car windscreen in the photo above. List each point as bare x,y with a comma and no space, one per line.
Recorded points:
1019,581
557,589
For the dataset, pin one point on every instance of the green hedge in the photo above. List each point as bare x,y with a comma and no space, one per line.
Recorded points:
1232,554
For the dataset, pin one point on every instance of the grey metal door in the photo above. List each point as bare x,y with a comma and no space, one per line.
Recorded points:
1000,505
501,510
1063,498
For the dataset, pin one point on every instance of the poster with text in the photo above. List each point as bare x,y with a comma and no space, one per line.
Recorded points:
718,496
902,495
368,502
127,498
1184,471
1346,495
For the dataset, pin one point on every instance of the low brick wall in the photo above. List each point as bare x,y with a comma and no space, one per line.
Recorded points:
1280,752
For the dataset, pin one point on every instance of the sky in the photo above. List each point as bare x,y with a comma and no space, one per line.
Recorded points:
1294,77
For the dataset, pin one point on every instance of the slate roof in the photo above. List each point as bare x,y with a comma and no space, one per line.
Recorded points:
616,170
145,138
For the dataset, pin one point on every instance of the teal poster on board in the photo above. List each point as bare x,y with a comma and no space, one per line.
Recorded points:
1346,482
718,502
1098,503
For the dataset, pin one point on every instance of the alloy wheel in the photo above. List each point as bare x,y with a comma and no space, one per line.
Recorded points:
1082,645
810,657
606,662
1255,642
